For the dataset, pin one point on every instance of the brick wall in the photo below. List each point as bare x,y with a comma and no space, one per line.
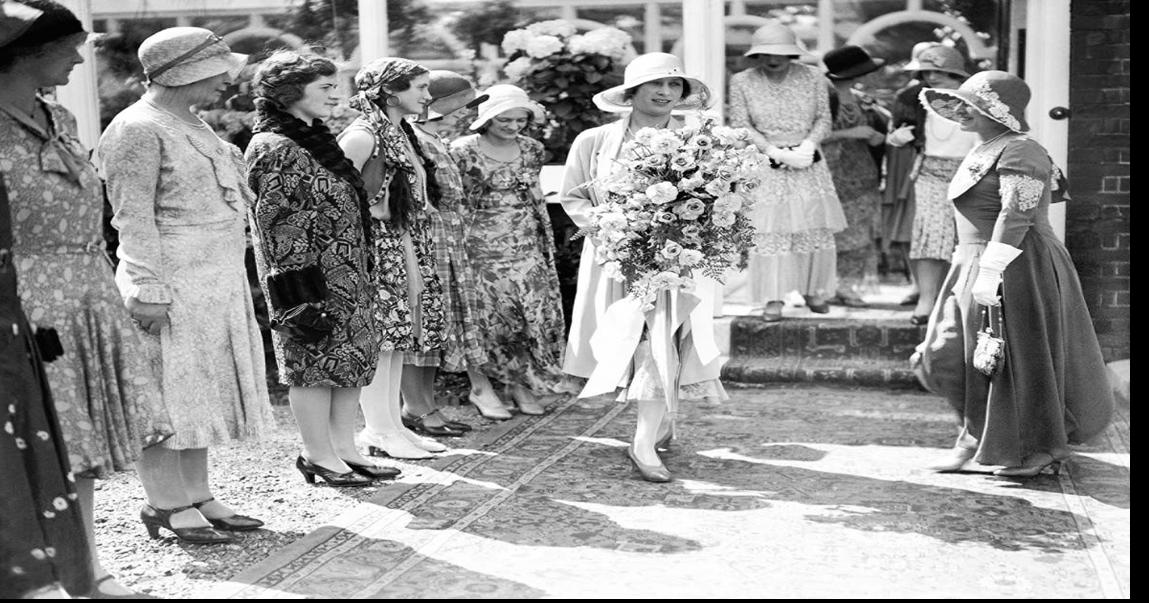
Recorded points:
1097,218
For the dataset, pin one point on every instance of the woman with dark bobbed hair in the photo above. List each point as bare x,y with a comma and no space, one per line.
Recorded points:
310,225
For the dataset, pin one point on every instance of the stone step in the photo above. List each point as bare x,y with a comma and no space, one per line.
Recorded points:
840,371
818,338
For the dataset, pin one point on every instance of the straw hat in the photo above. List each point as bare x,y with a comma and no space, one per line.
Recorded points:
998,95
938,58
449,93
775,38
504,97
178,56
647,68
849,62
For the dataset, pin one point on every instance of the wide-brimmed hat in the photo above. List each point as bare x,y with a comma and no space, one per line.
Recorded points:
450,92
504,97
178,56
998,95
849,62
648,68
938,58
775,38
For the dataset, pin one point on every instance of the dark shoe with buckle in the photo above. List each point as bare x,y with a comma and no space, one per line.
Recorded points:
234,523
373,471
154,519
333,478
419,424
919,319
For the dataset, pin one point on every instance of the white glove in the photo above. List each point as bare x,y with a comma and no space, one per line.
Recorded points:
802,160
991,264
901,136
806,149
786,157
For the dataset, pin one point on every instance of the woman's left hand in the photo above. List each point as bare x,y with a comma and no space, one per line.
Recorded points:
152,318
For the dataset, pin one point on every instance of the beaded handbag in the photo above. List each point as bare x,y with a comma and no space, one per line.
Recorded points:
989,354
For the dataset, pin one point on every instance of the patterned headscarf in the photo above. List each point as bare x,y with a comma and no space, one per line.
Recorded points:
378,73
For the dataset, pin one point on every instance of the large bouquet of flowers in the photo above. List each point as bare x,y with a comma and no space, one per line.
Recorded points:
562,69
677,206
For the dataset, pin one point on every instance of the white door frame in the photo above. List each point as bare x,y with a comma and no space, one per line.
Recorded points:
1046,60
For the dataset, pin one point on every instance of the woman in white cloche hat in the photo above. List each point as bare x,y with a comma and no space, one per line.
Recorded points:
512,254
654,87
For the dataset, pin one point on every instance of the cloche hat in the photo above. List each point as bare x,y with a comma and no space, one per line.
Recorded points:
450,92
27,25
775,38
504,97
938,58
998,95
849,62
178,56
647,68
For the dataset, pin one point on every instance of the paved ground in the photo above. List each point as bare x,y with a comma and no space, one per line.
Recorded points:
797,492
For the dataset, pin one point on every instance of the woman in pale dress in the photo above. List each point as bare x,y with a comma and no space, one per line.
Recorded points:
400,181
786,107
179,196
105,388
654,86
511,249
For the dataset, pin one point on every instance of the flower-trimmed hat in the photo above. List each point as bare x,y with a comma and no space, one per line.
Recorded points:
178,56
775,38
449,93
937,58
504,97
647,68
998,95
849,62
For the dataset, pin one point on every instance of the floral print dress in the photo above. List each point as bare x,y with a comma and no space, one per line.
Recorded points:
512,254
106,385
857,182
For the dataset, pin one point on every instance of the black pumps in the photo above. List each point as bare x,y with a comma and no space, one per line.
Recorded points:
234,523
154,519
338,480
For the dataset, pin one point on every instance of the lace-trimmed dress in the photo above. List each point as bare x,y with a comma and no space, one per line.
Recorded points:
304,215
798,211
1052,389
179,197
512,254
106,385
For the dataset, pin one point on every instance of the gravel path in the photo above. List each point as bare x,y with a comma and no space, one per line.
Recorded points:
257,478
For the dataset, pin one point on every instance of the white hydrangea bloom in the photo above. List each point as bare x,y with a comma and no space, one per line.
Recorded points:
542,47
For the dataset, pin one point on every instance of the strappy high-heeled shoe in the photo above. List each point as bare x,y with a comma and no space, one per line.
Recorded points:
1032,466
419,424
333,478
154,519
232,523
